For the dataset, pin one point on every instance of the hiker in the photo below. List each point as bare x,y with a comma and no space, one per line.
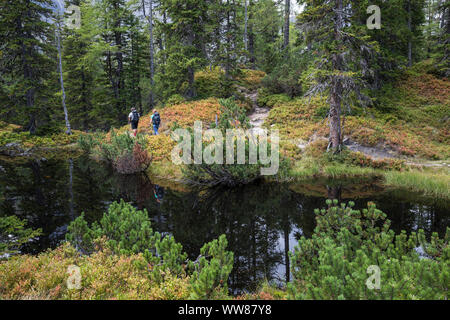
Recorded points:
156,121
133,118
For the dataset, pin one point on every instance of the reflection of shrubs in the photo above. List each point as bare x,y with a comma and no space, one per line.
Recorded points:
333,263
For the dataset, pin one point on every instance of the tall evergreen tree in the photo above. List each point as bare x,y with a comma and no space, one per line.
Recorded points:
342,51
186,41
27,51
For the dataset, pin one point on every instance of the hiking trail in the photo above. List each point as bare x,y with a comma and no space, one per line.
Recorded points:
258,114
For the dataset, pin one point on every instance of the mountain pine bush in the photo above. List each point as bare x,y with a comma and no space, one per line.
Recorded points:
334,263
127,231
212,268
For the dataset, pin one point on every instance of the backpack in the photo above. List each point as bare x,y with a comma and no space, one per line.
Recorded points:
156,119
135,116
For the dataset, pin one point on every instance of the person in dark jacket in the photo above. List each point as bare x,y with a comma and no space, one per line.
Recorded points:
133,119
156,121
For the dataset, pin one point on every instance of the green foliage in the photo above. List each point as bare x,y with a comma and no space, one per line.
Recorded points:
227,174
333,264
13,235
286,77
127,231
209,280
86,142
272,100
175,99
28,68
127,154
80,235
232,115
212,83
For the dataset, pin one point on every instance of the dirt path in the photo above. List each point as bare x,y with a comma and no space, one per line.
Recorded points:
258,114
381,152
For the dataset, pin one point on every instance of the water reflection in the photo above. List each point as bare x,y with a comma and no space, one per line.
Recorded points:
262,222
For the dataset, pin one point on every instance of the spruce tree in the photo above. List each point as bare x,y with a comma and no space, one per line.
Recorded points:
26,34
342,50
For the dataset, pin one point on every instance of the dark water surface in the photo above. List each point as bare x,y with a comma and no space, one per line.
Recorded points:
262,222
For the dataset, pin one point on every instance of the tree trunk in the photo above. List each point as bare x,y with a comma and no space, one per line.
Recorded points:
410,35
251,36
335,117
119,82
287,14
245,25
336,85
152,50
28,76
61,79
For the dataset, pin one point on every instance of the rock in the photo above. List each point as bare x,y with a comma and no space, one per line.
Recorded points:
2,169
302,146
14,149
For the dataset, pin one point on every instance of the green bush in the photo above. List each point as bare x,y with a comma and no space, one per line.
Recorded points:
127,231
209,280
230,175
175,99
212,83
272,100
86,142
127,154
13,235
334,263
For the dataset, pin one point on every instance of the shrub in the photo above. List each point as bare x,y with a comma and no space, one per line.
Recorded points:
212,83
250,79
333,263
175,99
209,280
13,235
272,100
230,175
103,276
127,155
128,231
136,161
86,142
